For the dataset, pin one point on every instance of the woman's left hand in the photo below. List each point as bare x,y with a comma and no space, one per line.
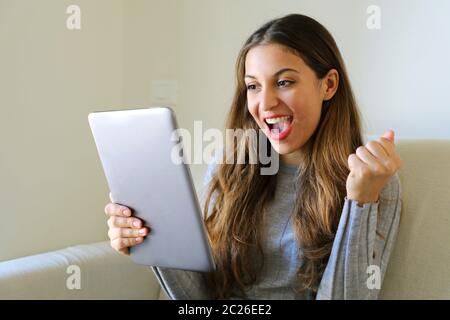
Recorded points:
371,168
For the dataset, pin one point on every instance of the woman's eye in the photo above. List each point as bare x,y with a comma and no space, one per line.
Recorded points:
284,83
281,83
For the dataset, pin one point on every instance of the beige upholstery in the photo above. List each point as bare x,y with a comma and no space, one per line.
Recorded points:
103,274
420,263
419,266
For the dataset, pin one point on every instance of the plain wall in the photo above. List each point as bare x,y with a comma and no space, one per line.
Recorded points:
52,185
52,188
150,47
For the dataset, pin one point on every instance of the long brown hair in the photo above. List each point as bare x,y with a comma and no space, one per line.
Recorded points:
238,193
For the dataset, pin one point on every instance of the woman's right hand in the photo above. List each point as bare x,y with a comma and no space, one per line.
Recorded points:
124,230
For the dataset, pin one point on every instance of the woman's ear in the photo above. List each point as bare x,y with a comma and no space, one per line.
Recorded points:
330,84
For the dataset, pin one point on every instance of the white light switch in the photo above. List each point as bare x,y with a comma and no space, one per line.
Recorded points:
164,92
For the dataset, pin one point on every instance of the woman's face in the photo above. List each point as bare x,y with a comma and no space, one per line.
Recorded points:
285,97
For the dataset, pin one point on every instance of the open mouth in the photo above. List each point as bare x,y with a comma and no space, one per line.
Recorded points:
278,124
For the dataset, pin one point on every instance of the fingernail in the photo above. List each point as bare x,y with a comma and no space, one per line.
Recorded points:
136,223
139,239
127,212
142,231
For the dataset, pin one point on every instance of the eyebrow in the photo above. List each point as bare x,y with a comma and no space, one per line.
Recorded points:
276,74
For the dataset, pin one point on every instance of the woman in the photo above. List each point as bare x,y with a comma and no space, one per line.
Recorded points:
324,226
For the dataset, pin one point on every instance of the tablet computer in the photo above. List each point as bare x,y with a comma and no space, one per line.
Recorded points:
136,149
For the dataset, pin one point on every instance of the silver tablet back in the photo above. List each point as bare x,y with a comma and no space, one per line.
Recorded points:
135,148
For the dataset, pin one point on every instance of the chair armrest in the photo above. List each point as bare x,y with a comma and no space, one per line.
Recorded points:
103,274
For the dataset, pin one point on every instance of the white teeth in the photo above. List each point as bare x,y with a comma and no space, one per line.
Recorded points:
277,120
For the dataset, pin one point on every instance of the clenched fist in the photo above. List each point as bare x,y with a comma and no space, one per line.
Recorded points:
371,167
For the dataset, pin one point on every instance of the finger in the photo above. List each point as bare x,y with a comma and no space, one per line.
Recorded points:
122,243
390,162
389,135
113,209
387,145
115,233
121,222
354,163
367,157
394,162
377,150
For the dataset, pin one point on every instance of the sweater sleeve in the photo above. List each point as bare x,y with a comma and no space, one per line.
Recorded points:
181,284
362,247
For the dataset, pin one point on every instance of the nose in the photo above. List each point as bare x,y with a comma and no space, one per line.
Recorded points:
269,99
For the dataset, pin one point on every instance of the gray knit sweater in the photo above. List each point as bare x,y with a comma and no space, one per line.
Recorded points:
358,260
